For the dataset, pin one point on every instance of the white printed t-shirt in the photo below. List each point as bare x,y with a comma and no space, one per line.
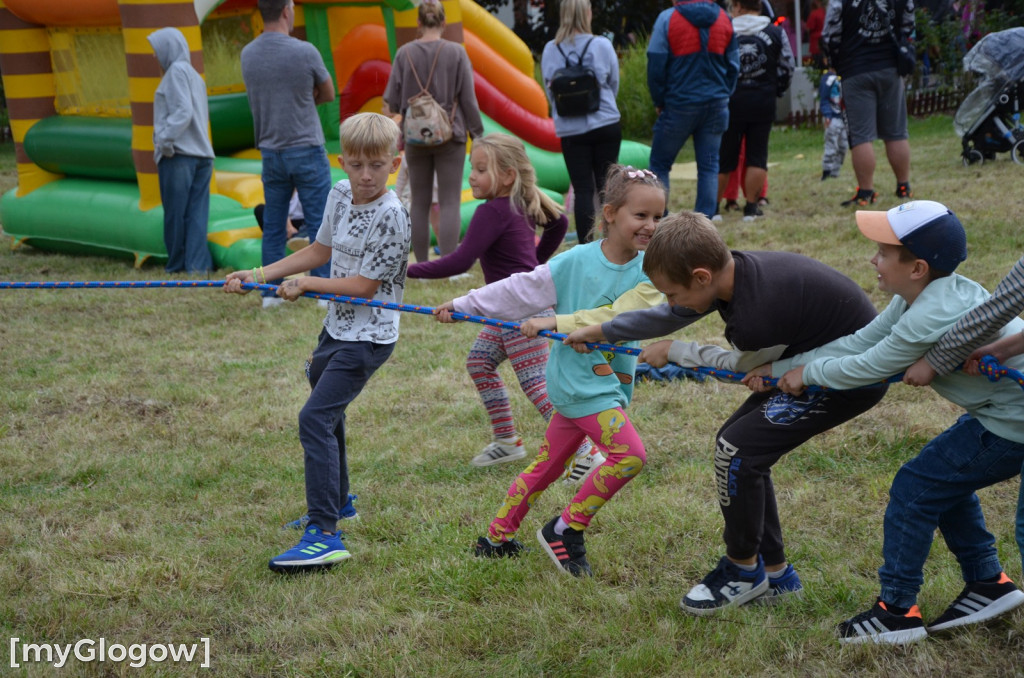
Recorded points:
370,240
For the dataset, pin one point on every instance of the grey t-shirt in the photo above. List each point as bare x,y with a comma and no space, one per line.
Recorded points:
280,73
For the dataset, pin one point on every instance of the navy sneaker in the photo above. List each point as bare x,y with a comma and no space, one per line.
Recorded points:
725,586
978,602
782,588
507,549
314,551
880,626
567,550
347,512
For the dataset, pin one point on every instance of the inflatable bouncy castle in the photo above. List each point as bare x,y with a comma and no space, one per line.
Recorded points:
80,79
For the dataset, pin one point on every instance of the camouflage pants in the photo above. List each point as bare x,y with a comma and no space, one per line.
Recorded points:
836,145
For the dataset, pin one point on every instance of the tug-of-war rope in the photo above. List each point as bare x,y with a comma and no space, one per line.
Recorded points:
988,365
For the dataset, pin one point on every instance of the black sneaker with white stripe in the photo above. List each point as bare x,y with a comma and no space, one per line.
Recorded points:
879,626
978,602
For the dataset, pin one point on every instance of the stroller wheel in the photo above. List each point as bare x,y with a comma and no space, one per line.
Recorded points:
1017,152
973,157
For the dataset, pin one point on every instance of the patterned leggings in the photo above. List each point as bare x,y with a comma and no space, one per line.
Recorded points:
613,434
529,358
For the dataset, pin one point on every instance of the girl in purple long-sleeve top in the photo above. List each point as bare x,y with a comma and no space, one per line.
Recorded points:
502,235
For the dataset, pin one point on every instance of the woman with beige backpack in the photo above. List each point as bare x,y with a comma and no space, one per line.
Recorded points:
435,126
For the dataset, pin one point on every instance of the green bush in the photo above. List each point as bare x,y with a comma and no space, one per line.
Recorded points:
634,98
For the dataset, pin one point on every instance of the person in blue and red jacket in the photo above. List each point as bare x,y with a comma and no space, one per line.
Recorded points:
692,65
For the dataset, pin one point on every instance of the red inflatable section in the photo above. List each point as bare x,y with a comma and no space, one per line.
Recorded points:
369,79
529,127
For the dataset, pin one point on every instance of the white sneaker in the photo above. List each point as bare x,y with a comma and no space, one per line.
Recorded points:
323,303
499,452
460,276
272,302
583,463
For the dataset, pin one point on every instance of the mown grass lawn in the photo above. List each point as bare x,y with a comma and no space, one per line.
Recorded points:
149,456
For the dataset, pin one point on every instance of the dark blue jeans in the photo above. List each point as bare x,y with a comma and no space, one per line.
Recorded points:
937,489
185,194
304,169
337,371
705,123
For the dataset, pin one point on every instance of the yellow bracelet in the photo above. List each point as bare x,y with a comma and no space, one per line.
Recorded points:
254,278
264,274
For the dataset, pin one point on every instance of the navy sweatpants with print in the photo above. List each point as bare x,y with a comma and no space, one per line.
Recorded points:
765,427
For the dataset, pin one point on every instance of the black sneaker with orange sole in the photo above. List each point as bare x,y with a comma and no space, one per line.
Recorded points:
863,198
880,626
978,602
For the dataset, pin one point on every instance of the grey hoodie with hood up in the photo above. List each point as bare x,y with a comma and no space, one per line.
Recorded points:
181,115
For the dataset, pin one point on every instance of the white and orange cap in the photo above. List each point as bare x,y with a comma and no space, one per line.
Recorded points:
925,227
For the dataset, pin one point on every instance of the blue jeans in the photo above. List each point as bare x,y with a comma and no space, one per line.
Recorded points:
337,371
706,123
1020,519
304,169
937,489
185,194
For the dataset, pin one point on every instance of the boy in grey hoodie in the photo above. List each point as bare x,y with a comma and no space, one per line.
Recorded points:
183,154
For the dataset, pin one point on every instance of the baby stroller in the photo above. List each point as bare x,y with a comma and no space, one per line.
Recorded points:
988,121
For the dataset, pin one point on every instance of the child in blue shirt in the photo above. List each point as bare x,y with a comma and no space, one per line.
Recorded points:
590,392
830,102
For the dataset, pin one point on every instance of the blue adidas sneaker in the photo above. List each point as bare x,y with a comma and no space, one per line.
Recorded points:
314,551
784,587
347,512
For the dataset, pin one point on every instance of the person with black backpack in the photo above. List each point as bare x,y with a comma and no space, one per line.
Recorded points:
581,74
766,68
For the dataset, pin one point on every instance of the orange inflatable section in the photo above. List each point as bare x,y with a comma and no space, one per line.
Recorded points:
368,41
515,84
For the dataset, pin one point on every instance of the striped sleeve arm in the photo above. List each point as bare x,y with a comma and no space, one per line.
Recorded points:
980,323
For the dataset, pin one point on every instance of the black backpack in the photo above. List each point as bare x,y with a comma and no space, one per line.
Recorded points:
574,88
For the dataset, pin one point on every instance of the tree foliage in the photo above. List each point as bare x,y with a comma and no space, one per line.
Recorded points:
536,21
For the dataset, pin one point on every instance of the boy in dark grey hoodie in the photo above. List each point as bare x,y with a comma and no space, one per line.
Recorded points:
183,154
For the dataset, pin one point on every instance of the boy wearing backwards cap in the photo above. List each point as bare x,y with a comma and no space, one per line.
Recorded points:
920,244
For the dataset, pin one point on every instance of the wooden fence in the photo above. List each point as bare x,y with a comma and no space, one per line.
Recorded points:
920,103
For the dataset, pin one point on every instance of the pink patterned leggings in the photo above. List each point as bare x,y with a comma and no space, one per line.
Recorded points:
611,432
529,359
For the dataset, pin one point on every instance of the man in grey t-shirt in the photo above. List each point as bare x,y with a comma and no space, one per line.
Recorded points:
285,79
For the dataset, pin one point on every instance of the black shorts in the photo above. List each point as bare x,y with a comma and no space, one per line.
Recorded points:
756,134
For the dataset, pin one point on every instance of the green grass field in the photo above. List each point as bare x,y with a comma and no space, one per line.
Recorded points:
148,442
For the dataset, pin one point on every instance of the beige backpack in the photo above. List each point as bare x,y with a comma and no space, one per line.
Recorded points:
427,123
